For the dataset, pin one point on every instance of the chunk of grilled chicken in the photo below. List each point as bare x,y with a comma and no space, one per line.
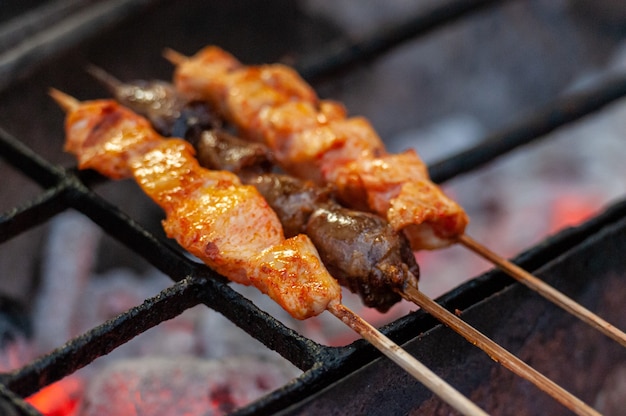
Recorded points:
210,213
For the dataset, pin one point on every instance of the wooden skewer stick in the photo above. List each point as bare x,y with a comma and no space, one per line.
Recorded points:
545,290
409,363
65,101
368,332
497,352
173,56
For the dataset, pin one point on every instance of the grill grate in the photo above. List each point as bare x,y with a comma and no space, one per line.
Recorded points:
194,284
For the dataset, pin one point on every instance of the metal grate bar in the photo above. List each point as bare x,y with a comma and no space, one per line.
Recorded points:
36,212
124,229
27,161
342,55
300,351
56,34
103,339
563,111
13,405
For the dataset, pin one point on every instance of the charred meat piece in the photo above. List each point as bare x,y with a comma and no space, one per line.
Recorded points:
224,151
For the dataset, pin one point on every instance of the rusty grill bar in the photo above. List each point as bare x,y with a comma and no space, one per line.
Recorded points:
194,284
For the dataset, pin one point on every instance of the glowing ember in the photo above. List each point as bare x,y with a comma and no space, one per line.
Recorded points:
59,399
179,386
571,210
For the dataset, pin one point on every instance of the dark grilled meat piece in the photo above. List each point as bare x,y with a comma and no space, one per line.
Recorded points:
293,200
363,253
359,249
158,101
223,151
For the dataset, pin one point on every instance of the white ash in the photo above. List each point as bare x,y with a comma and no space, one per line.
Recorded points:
68,260
161,386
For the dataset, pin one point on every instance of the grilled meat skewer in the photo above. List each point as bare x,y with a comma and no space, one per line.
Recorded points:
211,214
300,203
313,139
359,249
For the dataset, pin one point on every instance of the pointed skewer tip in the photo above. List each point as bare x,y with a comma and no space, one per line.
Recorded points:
65,101
103,76
173,56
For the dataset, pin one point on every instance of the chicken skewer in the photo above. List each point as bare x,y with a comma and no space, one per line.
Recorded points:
211,214
295,202
227,225
360,249
312,138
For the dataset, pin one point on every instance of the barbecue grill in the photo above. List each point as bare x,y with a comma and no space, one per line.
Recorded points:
126,37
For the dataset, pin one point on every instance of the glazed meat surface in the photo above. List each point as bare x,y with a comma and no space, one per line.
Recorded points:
210,213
